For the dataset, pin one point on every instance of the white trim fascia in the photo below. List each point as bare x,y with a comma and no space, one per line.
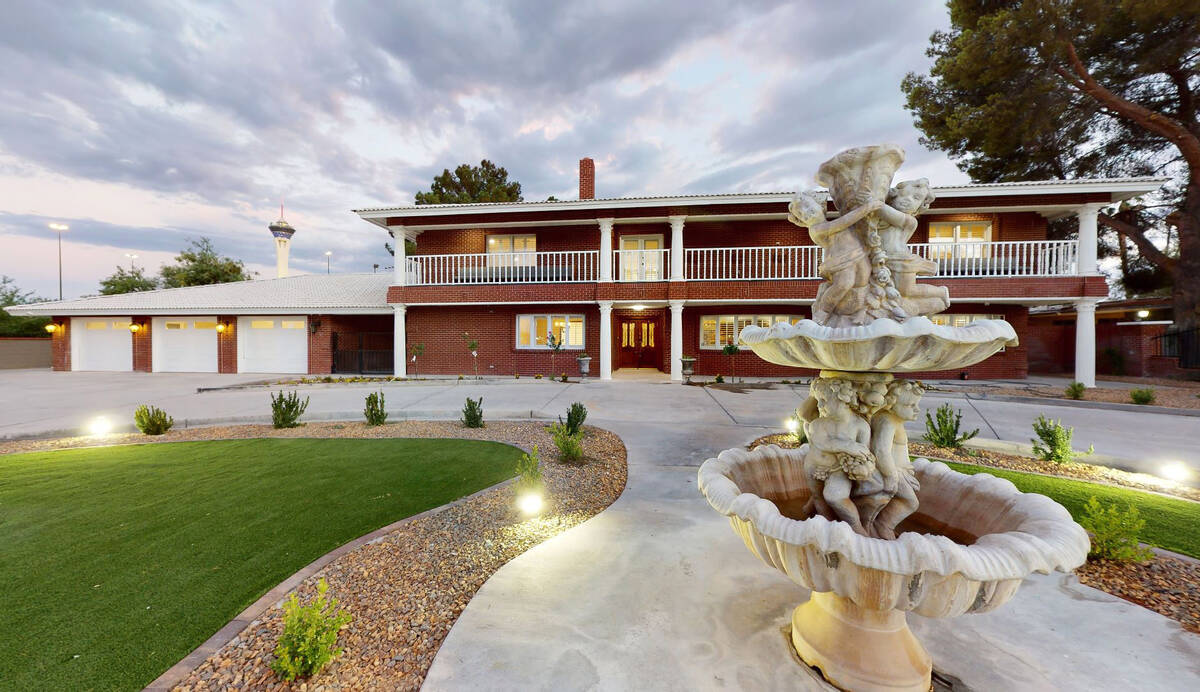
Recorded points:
228,310
1155,322
1118,188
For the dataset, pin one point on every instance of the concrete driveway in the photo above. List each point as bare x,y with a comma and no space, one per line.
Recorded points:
38,402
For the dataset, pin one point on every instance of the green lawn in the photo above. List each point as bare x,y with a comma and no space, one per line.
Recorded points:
118,561
1170,523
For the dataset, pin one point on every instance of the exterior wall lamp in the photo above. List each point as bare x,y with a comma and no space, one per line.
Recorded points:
314,325
135,327
221,327
52,327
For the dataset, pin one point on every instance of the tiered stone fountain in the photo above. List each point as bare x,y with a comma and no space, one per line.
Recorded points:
848,515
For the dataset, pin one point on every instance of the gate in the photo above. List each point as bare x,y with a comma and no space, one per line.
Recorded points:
364,353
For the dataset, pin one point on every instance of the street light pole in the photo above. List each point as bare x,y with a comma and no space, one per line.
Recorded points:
328,254
59,227
131,259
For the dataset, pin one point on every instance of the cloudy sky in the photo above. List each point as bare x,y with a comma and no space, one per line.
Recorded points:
144,124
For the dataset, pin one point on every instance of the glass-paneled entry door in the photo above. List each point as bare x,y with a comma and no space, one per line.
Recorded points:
641,258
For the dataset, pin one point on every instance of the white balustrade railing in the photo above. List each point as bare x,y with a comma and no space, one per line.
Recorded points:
955,260
768,262
641,265
566,266
1011,258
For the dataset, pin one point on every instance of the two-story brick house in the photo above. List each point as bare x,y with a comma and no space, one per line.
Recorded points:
635,282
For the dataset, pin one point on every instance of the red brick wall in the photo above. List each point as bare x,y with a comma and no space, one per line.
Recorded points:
60,344
587,178
1051,344
441,330
320,345
143,343
227,344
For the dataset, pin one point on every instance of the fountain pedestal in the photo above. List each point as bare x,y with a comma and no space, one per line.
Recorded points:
885,656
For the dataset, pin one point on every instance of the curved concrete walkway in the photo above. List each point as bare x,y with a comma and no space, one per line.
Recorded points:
657,593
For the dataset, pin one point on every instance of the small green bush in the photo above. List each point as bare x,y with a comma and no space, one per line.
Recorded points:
1114,533
1054,441
537,376
287,409
563,377
944,430
570,445
152,420
374,412
309,639
529,473
1141,396
576,415
472,413
1075,390
719,379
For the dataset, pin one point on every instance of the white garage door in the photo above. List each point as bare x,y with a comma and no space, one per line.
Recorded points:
272,344
184,344
101,343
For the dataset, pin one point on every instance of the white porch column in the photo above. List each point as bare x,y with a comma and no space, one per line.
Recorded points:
606,339
400,342
400,273
1085,342
606,252
676,250
677,340
1087,237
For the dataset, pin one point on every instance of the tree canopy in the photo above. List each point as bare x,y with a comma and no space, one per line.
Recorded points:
200,265
12,325
127,281
483,183
1034,89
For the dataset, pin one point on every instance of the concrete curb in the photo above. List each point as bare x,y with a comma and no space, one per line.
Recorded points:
423,382
178,672
1026,450
1071,403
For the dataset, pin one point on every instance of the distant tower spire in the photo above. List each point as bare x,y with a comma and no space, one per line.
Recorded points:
283,231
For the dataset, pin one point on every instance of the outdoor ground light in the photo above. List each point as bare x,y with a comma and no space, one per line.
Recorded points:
100,426
530,503
1175,471
792,425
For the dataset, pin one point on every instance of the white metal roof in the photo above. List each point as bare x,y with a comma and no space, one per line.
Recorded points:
1118,188
295,295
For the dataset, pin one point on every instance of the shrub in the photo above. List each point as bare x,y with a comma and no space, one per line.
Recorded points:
944,430
472,413
309,639
1075,390
473,349
1054,441
719,379
1114,533
529,473
152,420
576,415
570,445
563,377
537,376
374,412
516,376
286,410
1141,396
731,350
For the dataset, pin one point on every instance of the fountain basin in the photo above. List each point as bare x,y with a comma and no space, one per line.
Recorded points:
914,345
966,550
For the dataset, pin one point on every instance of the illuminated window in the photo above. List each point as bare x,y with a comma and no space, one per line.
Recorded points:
293,324
204,325
262,324
172,326
97,324
965,239
532,331
718,330
513,250
962,320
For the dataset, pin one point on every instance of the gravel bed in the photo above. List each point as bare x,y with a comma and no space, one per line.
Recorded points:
1165,585
405,590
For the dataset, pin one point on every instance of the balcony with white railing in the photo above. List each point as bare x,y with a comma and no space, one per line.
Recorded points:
1025,258
566,266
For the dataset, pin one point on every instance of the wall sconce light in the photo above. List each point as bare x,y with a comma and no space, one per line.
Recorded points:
1143,314
52,327
135,327
221,327
314,325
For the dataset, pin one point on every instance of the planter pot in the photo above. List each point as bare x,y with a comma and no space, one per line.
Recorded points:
689,365
585,364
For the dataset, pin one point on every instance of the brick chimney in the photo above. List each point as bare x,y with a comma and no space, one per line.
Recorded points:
587,179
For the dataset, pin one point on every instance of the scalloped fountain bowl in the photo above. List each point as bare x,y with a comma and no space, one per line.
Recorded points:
966,550
884,345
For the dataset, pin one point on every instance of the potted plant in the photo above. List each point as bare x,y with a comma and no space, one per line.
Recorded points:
585,364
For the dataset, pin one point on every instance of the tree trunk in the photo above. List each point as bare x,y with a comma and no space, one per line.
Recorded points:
1185,293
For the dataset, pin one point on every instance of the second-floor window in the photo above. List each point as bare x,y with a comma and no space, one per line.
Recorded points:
718,330
960,239
512,250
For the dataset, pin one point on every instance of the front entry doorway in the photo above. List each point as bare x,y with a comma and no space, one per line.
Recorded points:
640,342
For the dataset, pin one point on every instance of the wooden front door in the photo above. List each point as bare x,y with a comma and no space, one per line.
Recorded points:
639,342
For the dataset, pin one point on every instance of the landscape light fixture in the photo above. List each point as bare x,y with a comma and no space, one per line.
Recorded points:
59,228
792,425
100,426
1175,471
530,503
